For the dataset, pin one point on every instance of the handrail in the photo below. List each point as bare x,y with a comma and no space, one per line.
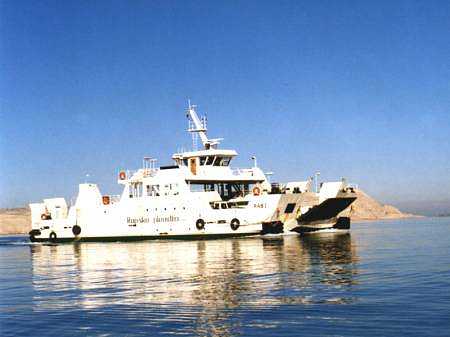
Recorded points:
239,171
114,198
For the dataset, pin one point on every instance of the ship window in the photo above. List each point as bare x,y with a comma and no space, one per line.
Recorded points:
202,160
196,187
218,161
153,190
209,187
135,190
185,162
226,161
209,160
289,208
223,206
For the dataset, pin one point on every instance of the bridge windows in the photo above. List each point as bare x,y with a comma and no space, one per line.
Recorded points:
222,161
208,161
226,161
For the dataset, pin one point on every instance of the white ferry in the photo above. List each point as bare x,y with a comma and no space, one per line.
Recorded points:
199,196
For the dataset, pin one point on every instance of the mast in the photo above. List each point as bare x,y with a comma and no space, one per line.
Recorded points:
197,126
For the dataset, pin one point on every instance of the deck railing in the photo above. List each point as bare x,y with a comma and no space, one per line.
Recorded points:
114,198
239,171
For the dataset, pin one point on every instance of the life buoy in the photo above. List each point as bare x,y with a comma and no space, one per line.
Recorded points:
76,230
106,200
200,224
122,175
52,236
256,191
234,224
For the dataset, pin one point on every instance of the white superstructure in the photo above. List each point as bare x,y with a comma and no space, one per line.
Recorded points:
200,195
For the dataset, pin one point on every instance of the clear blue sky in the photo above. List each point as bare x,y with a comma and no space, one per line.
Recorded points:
359,89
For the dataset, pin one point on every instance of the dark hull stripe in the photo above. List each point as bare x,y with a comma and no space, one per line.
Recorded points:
143,238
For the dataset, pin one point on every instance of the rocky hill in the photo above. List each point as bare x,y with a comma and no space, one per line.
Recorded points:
367,208
17,220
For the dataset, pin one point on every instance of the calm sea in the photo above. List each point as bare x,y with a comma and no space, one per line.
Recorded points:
389,278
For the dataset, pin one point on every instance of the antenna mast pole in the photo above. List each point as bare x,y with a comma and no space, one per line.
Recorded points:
197,126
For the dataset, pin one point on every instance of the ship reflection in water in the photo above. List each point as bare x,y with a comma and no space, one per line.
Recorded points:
200,287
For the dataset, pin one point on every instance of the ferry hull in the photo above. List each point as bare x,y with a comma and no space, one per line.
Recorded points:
138,232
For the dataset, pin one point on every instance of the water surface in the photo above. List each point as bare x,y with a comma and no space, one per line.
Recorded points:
387,278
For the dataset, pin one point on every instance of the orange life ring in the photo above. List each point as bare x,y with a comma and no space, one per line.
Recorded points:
256,191
122,175
106,200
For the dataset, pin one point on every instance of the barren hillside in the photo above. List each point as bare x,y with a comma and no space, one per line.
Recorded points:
15,220
367,208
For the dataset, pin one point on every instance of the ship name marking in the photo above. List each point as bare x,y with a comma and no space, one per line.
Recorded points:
137,220
171,218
